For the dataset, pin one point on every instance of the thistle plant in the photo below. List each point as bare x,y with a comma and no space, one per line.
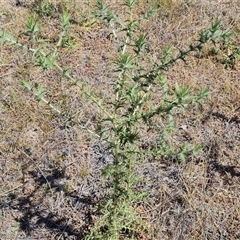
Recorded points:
128,115
131,113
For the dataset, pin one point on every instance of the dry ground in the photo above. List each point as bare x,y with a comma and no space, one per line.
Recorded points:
49,180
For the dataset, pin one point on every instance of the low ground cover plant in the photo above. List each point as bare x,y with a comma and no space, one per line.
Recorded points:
127,115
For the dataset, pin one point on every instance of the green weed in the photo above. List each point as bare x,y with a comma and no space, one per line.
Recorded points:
44,8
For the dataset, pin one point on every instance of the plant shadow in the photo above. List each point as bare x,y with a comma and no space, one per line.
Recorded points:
57,219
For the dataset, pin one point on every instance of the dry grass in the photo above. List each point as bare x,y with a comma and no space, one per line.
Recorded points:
50,168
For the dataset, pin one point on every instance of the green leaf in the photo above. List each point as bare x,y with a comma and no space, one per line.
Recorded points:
5,37
25,85
65,20
40,92
32,25
124,62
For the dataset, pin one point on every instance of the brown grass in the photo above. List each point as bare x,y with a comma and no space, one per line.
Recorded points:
49,167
